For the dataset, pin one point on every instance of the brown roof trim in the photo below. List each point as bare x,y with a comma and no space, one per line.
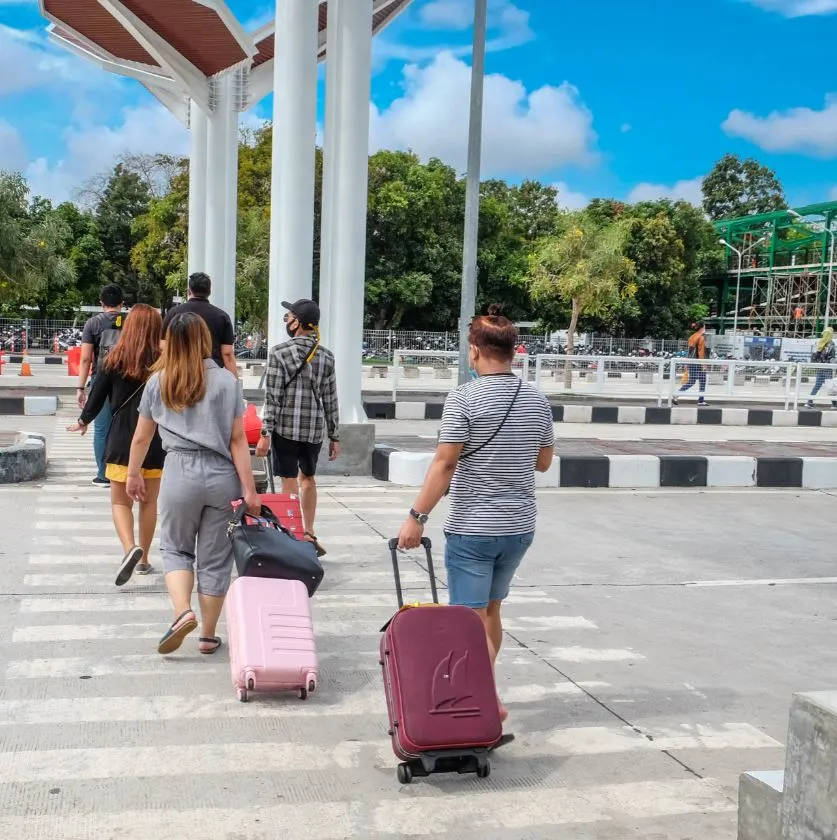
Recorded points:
380,19
93,23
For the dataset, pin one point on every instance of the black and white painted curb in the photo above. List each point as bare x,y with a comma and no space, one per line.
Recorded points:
631,415
28,406
17,358
408,469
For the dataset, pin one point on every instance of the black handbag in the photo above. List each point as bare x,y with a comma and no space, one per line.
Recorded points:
263,548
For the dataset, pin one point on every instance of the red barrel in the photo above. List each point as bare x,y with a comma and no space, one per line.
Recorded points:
252,424
73,360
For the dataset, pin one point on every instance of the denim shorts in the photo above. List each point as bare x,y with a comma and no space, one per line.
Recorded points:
481,568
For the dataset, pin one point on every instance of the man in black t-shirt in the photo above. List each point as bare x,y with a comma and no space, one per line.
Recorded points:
219,323
101,332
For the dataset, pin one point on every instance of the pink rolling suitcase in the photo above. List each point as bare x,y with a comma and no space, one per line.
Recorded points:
271,637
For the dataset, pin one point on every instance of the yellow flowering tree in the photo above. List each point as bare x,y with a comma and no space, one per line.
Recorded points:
585,267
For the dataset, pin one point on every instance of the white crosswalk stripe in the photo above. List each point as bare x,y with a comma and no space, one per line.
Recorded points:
139,747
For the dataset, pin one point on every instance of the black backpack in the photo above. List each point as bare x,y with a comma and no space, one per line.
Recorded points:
111,330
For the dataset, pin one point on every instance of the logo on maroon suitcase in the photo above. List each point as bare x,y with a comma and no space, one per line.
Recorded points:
450,687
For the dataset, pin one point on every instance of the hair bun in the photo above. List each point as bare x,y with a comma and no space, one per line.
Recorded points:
495,310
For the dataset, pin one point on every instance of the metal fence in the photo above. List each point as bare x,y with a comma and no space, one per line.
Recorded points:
611,377
18,334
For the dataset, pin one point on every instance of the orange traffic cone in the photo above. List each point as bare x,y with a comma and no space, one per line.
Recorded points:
25,367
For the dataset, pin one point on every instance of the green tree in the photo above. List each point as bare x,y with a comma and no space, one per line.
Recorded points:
414,232
584,266
125,198
738,187
253,267
34,241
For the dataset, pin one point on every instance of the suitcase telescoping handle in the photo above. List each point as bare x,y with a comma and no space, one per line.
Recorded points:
393,550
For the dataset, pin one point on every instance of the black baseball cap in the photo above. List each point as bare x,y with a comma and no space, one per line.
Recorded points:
306,311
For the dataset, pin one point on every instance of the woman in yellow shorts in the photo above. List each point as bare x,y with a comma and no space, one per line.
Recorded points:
121,381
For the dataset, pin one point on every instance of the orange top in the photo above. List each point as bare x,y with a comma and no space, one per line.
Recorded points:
698,341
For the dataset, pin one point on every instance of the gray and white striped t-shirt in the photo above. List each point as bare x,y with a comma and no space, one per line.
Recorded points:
493,491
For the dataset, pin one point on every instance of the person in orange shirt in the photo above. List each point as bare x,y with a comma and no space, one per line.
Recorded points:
697,373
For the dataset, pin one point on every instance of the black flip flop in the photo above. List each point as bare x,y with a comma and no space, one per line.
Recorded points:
173,638
129,563
212,640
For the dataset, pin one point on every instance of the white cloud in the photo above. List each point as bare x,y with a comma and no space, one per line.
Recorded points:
28,61
683,190
797,8
13,154
446,14
525,133
508,27
90,149
794,130
569,199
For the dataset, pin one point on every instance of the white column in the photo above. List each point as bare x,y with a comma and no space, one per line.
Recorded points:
231,201
197,189
350,182
294,137
216,196
332,135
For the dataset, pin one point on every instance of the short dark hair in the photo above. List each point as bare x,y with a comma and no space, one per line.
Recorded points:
200,284
112,295
698,326
494,334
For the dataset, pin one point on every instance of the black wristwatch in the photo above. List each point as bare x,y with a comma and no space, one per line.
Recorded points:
421,518
264,433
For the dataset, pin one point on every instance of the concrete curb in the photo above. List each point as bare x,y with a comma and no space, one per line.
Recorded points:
24,460
639,415
29,406
17,358
408,469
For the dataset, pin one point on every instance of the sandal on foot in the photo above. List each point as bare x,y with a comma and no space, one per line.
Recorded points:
178,631
315,542
209,640
129,563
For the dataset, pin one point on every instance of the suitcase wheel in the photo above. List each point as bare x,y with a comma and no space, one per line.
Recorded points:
405,774
485,771
312,683
302,693
242,695
251,681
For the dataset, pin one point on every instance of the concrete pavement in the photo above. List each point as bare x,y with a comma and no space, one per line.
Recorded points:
653,642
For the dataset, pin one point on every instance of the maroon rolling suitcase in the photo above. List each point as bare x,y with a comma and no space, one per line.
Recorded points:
441,697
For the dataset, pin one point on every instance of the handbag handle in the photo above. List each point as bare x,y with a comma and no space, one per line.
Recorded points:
265,513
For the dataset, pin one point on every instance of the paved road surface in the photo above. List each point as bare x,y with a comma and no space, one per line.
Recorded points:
648,661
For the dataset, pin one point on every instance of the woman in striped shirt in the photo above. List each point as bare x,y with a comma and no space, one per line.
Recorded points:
496,432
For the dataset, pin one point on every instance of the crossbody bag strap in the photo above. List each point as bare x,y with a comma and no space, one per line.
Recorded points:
128,400
499,428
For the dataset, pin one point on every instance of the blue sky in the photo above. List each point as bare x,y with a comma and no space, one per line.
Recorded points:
625,98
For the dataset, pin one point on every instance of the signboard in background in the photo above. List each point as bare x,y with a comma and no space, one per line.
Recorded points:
762,348
798,349
726,346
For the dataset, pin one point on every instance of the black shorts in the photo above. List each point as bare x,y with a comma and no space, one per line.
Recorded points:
291,457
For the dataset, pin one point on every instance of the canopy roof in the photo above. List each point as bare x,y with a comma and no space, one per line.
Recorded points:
174,47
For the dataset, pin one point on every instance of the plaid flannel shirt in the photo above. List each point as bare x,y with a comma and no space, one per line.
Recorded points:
306,410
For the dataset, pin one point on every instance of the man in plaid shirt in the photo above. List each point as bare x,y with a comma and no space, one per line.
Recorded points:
300,409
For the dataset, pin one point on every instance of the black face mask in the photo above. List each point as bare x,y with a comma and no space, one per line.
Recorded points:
292,331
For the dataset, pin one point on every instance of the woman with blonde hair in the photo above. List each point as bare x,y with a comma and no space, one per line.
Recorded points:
121,382
197,408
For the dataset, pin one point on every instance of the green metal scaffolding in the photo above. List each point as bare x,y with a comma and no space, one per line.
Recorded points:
785,276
